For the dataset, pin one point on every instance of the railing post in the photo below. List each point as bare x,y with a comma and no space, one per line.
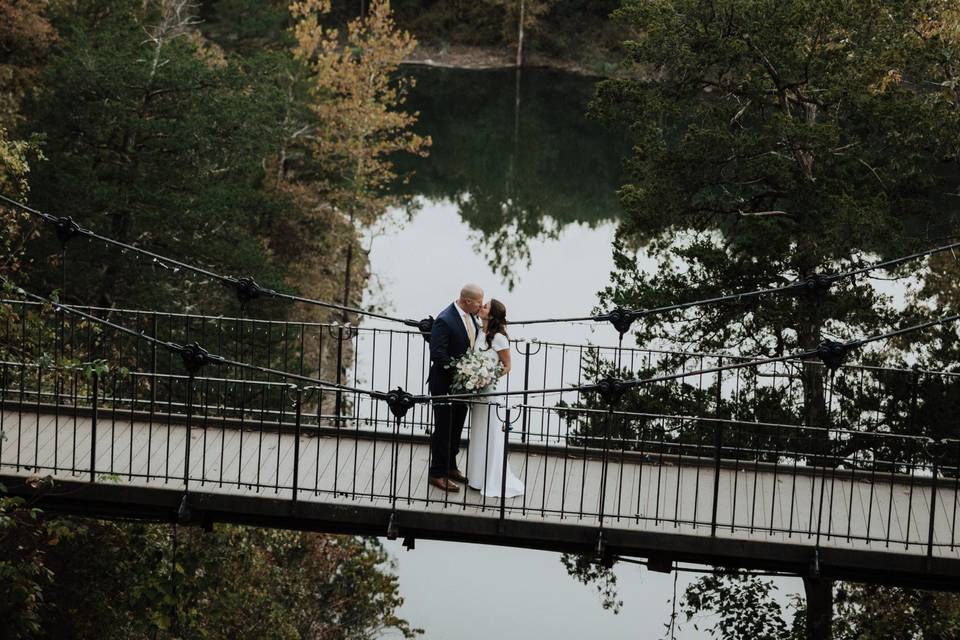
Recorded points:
93,427
399,402
338,402
824,449
189,434
603,469
296,442
395,462
611,390
526,387
936,450
503,470
717,451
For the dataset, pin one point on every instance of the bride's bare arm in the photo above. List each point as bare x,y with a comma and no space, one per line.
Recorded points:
504,360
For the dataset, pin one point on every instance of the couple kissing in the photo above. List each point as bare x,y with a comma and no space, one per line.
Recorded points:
469,325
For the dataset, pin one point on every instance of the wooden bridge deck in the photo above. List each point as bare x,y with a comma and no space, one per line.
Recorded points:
765,515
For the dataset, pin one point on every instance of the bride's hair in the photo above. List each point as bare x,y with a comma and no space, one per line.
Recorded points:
496,321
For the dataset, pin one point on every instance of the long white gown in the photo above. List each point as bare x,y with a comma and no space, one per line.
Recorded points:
485,454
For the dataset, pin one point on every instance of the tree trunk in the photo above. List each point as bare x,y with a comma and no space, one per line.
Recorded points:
819,592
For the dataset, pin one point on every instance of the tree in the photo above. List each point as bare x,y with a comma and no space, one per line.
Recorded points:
775,141
26,36
356,100
742,607
870,612
129,580
155,138
734,606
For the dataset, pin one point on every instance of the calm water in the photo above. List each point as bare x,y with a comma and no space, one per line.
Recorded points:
523,202
525,206
513,176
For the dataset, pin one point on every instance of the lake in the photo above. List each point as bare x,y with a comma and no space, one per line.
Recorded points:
524,203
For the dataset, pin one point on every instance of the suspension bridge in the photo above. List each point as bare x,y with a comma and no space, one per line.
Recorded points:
801,463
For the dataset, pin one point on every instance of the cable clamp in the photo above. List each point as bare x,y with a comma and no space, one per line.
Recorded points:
195,357
816,284
621,319
184,514
246,288
611,390
833,353
399,401
67,228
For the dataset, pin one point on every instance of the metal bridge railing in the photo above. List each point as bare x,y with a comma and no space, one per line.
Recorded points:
710,476
865,455
861,397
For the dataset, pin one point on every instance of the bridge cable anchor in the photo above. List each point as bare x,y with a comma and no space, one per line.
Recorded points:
399,401
603,556
815,285
194,357
815,568
621,319
246,289
611,390
833,354
393,532
183,511
67,229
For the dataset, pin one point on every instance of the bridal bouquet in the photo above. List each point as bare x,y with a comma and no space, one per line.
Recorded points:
474,371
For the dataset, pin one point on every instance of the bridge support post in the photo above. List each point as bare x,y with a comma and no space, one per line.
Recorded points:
194,358
503,469
189,434
400,402
611,390
717,451
93,426
936,450
526,386
297,407
338,398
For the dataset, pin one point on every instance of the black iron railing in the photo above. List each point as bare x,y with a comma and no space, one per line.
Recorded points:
728,453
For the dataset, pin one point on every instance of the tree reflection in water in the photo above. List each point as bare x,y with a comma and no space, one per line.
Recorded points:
513,180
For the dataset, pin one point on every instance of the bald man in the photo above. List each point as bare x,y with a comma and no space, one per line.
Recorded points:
454,332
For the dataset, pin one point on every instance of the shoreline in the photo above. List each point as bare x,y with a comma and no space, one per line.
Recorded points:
484,58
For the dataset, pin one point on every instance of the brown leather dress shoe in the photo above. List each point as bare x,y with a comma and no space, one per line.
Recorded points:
456,475
444,484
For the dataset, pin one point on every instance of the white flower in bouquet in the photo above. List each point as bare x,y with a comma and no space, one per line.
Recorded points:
474,371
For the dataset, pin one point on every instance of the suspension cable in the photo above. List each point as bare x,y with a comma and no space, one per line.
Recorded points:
197,351
810,283
247,289
832,353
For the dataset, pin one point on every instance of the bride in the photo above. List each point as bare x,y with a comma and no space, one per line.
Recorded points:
485,456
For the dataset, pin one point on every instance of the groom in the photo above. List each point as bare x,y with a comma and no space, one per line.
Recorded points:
454,332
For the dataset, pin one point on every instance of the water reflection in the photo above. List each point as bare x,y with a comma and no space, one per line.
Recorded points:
513,175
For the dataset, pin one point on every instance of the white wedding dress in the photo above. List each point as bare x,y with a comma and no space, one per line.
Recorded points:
485,454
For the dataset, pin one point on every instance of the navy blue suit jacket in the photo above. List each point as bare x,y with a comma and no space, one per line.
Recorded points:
448,341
